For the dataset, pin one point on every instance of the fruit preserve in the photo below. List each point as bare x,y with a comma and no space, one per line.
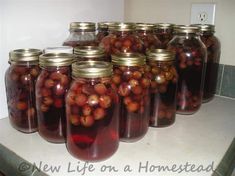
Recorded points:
191,64
90,53
164,32
162,72
59,49
92,112
51,87
122,39
102,30
20,80
81,34
133,89
146,33
213,57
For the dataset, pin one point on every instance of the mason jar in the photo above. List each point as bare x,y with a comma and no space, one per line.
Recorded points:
90,53
92,112
20,80
102,30
133,90
81,34
161,70
191,66
212,44
164,32
146,33
51,87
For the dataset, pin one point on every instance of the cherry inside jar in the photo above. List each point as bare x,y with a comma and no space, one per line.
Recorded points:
20,81
92,112
191,66
133,90
162,72
102,30
51,87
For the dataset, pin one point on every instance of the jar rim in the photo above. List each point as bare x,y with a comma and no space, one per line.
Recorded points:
205,27
24,55
58,49
160,55
128,59
144,26
56,59
164,26
122,26
186,29
82,26
89,51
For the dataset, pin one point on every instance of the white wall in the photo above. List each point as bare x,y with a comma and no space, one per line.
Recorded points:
178,12
42,23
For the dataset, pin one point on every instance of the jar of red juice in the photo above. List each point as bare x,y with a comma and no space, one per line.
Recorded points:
146,33
162,72
191,66
92,112
133,89
81,34
122,39
164,32
212,44
51,87
20,80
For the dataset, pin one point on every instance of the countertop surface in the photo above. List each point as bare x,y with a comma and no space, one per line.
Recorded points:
194,145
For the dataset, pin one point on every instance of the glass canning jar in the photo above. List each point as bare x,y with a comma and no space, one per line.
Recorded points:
58,49
122,39
146,33
81,34
102,30
92,112
90,53
161,70
51,87
191,66
133,89
164,32
212,44
20,80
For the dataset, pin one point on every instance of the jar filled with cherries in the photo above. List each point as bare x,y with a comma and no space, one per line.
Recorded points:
92,112
212,44
51,87
164,32
191,66
20,80
162,72
133,89
81,34
122,39
102,30
146,33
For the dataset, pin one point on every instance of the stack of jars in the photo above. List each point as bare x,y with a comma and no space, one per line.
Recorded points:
102,94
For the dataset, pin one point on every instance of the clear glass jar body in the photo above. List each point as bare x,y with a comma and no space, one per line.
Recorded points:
213,57
122,42
133,90
164,35
51,87
149,39
101,33
92,119
191,66
20,90
81,38
163,88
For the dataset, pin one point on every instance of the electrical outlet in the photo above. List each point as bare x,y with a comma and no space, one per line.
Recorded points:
203,14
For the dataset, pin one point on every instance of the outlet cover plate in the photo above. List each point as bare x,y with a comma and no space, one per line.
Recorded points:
203,13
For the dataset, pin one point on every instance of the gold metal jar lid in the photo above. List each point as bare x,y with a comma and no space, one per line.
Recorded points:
164,26
128,59
24,55
58,49
122,27
56,59
89,51
104,25
186,29
205,27
92,69
160,55
144,26
82,26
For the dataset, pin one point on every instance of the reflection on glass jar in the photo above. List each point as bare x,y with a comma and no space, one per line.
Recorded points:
133,90
20,80
51,87
92,112
191,66
81,34
162,72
